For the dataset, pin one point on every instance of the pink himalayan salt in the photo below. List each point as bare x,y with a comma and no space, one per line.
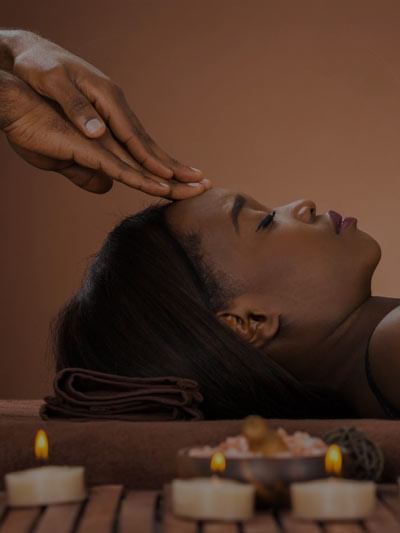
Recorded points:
300,444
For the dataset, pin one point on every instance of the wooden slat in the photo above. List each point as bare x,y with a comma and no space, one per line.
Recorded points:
172,523
294,525
100,511
262,522
137,511
391,499
2,505
382,519
20,520
220,527
60,518
343,527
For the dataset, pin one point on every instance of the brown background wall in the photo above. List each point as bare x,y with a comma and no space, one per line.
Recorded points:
280,99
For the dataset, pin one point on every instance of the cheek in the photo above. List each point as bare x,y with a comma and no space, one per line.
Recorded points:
308,264
298,266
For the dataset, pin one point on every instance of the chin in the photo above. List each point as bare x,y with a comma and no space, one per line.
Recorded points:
370,255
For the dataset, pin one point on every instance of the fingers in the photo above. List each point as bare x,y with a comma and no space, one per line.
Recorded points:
53,138
88,179
113,107
181,171
109,142
97,182
78,108
111,157
128,129
182,191
91,154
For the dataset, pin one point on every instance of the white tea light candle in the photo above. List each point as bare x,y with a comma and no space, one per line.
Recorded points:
46,484
333,499
212,499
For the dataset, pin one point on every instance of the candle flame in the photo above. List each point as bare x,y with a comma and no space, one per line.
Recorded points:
218,462
41,445
333,460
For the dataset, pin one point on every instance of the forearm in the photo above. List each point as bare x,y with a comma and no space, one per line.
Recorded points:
12,43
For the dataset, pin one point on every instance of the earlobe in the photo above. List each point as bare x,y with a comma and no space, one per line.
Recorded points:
253,326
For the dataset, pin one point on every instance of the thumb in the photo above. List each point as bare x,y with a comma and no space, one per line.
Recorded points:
79,110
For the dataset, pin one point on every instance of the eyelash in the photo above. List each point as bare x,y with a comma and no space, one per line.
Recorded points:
266,221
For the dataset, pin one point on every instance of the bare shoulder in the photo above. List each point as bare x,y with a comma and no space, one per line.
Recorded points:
384,356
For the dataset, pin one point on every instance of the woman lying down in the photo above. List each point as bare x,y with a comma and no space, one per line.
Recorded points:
269,310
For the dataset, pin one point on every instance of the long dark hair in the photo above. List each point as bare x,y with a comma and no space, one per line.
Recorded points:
146,308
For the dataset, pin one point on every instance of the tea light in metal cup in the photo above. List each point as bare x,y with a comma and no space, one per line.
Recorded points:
47,484
213,498
333,498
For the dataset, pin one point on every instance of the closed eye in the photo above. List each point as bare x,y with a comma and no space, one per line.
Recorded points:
266,221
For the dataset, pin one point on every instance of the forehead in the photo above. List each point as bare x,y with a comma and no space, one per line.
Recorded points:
194,214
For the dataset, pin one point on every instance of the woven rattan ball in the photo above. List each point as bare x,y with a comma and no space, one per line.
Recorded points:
366,457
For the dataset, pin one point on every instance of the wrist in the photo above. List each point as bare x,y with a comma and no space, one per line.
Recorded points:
13,43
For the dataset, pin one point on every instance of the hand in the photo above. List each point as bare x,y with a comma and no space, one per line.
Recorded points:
92,102
46,139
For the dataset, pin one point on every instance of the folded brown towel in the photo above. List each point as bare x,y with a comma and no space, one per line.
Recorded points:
83,394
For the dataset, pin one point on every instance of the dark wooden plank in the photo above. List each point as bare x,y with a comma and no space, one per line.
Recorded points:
382,519
390,497
2,505
99,514
344,527
172,523
387,487
294,525
20,520
59,517
262,522
137,510
220,527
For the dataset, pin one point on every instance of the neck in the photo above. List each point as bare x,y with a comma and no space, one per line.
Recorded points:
336,361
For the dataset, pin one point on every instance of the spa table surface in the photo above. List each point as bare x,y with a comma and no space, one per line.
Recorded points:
110,509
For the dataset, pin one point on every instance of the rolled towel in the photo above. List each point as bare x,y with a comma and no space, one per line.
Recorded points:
88,394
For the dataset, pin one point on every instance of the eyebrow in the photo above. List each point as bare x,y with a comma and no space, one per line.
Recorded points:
238,205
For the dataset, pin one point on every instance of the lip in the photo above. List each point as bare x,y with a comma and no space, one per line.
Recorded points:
340,223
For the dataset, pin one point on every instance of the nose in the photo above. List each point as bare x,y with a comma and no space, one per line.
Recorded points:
304,210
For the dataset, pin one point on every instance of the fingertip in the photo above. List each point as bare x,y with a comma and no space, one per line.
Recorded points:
161,188
94,127
206,182
185,173
196,170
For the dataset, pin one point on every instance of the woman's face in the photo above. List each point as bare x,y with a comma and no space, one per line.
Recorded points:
298,265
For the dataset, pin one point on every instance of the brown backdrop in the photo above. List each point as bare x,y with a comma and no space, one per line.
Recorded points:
280,99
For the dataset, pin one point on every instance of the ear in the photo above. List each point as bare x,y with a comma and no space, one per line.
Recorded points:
251,323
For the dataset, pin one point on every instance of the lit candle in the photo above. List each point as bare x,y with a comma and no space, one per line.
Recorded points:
333,498
46,484
213,498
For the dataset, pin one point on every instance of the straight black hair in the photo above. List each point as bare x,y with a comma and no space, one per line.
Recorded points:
146,308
